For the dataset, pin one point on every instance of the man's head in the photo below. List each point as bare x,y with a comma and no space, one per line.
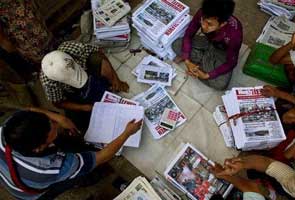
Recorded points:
215,14
29,132
61,67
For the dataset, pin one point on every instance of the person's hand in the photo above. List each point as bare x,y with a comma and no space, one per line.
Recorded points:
219,171
191,67
201,74
270,91
132,127
178,59
119,86
66,123
289,117
233,166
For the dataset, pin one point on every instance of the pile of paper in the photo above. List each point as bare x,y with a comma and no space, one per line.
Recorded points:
189,171
115,31
284,8
154,101
277,32
140,188
159,23
249,120
109,119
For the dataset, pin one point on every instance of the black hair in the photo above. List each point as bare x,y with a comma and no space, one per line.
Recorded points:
221,9
216,197
25,131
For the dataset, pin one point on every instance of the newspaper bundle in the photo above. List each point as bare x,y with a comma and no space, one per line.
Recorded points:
139,189
252,118
190,172
284,8
110,36
159,23
154,101
277,32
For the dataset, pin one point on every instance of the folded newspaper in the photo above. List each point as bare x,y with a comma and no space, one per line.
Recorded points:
277,32
139,189
154,101
159,23
251,121
190,172
284,8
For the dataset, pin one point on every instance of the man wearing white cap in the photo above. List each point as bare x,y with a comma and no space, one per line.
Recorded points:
76,75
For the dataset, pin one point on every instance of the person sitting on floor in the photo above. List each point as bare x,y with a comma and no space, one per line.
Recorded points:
212,57
256,190
32,164
75,76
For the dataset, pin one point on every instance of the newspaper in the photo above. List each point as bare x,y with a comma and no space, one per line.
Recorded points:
139,189
109,97
253,118
220,117
163,189
190,172
110,12
284,8
121,25
108,121
156,16
153,61
277,32
153,74
154,101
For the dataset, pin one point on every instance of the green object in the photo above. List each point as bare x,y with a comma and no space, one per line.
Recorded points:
258,66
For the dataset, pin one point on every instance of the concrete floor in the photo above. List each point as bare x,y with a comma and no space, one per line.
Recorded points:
253,21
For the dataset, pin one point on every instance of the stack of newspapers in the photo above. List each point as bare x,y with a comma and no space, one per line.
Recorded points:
278,7
277,32
189,171
248,120
110,23
159,23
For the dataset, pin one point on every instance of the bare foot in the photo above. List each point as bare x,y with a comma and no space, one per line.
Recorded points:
178,59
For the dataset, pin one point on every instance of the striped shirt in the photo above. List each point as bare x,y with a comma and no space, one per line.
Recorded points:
42,172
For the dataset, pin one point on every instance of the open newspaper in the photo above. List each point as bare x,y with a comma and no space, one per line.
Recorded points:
154,101
190,172
253,118
277,32
156,16
139,189
112,11
108,121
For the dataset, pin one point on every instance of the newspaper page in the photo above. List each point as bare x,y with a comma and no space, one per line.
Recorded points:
277,32
156,16
110,12
121,25
139,189
220,117
109,97
154,101
108,121
152,61
152,75
190,171
259,121
163,190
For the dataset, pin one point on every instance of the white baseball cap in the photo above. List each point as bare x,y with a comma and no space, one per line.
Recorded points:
61,67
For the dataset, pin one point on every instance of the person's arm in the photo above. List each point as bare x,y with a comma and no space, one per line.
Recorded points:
281,55
270,91
111,149
68,105
290,152
193,27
